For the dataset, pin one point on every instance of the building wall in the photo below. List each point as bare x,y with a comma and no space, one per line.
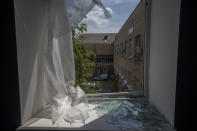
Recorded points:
126,62
163,55
97,38
96,44
101,49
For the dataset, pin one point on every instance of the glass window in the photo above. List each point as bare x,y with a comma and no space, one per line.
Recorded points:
130,47
137,47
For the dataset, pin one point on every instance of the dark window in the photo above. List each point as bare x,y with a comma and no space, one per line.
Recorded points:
137,47
130,47
125,48
104,59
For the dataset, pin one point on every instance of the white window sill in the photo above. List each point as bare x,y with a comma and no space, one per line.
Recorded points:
96,121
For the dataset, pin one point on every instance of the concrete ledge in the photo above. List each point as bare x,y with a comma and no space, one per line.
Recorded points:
117,95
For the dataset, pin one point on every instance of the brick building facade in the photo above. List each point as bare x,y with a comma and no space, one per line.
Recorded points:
128,51
122,52
102,45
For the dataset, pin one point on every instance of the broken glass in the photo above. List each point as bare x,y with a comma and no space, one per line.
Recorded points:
134,114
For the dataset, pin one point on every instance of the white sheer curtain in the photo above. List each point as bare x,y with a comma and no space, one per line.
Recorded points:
53,74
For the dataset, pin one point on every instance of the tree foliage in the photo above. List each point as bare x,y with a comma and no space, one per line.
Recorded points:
83,58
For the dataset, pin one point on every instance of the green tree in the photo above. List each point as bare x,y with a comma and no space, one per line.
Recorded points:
83,59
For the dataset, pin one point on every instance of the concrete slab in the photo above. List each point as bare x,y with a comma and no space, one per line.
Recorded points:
96,121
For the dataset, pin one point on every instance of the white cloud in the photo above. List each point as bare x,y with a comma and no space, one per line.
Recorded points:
109,29
96,21
109,10
96,17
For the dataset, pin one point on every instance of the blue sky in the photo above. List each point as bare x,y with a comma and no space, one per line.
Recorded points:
120,10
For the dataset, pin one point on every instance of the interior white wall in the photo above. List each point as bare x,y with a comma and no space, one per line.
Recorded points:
31,17
163,55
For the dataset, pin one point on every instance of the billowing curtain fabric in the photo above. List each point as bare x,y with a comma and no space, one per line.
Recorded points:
52,73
